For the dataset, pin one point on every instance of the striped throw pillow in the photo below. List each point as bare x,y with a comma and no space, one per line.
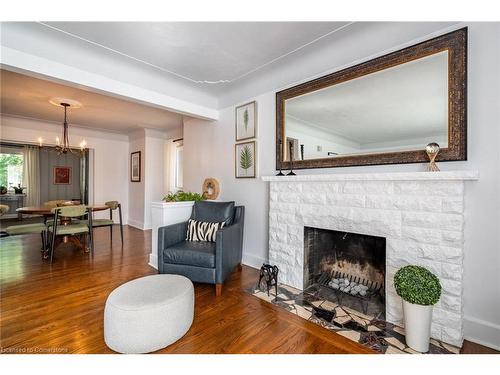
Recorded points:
202,231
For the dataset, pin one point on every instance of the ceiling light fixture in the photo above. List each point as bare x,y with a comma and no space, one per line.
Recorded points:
64,146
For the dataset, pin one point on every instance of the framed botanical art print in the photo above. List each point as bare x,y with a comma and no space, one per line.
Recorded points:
135,166
245,160
246,121
62,175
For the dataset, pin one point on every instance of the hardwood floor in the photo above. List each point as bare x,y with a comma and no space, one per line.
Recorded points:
59,308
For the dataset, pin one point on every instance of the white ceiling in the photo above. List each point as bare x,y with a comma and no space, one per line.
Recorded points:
200,52
29,97
404,102
207,65
197,67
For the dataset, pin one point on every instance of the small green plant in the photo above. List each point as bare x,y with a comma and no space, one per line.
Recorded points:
183,196
417,285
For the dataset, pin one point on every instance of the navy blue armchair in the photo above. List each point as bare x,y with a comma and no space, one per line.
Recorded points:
204,262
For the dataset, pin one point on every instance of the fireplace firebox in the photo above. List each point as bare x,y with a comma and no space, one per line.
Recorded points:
348,267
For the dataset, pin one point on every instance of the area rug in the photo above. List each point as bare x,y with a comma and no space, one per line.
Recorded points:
367,330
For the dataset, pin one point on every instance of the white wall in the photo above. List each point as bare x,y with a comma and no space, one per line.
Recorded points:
136,189
154,173
209,152
110,154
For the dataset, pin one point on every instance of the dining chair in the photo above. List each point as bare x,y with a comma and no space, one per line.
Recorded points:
112,205
71,229
56,203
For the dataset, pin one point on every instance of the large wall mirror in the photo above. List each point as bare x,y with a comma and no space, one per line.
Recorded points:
383,111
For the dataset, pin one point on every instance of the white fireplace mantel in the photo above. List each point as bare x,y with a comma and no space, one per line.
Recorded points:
390,176
421,215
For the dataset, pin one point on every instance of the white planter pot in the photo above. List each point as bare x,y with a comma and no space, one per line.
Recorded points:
417,326
163,214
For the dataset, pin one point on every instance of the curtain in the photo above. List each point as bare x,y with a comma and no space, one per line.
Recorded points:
31,175
171,166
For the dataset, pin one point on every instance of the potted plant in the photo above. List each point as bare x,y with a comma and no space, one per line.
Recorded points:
183,196
420,290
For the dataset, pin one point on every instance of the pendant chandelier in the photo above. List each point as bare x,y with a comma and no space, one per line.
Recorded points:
64,146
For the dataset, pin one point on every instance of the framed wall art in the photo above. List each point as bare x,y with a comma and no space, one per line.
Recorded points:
245,160
135,166
62,175
246,121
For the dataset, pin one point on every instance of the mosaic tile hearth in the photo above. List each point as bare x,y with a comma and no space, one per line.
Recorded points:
368,330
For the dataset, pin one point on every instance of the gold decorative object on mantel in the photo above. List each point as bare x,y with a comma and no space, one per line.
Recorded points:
432,149
210,188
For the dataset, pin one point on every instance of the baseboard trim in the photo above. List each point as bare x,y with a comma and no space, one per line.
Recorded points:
253,261
482,332
153,261
136,224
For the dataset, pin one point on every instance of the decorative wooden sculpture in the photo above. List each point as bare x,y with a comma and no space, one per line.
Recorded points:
210,188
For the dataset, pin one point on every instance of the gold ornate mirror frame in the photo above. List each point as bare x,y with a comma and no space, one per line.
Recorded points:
456,45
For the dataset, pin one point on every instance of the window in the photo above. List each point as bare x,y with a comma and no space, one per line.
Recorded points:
11,169
178,165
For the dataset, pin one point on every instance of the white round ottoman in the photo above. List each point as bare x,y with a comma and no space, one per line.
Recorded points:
149,313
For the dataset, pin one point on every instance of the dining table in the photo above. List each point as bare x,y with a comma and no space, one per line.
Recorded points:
46,212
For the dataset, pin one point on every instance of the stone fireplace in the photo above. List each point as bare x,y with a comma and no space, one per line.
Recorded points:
357,255
419,216
351,265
